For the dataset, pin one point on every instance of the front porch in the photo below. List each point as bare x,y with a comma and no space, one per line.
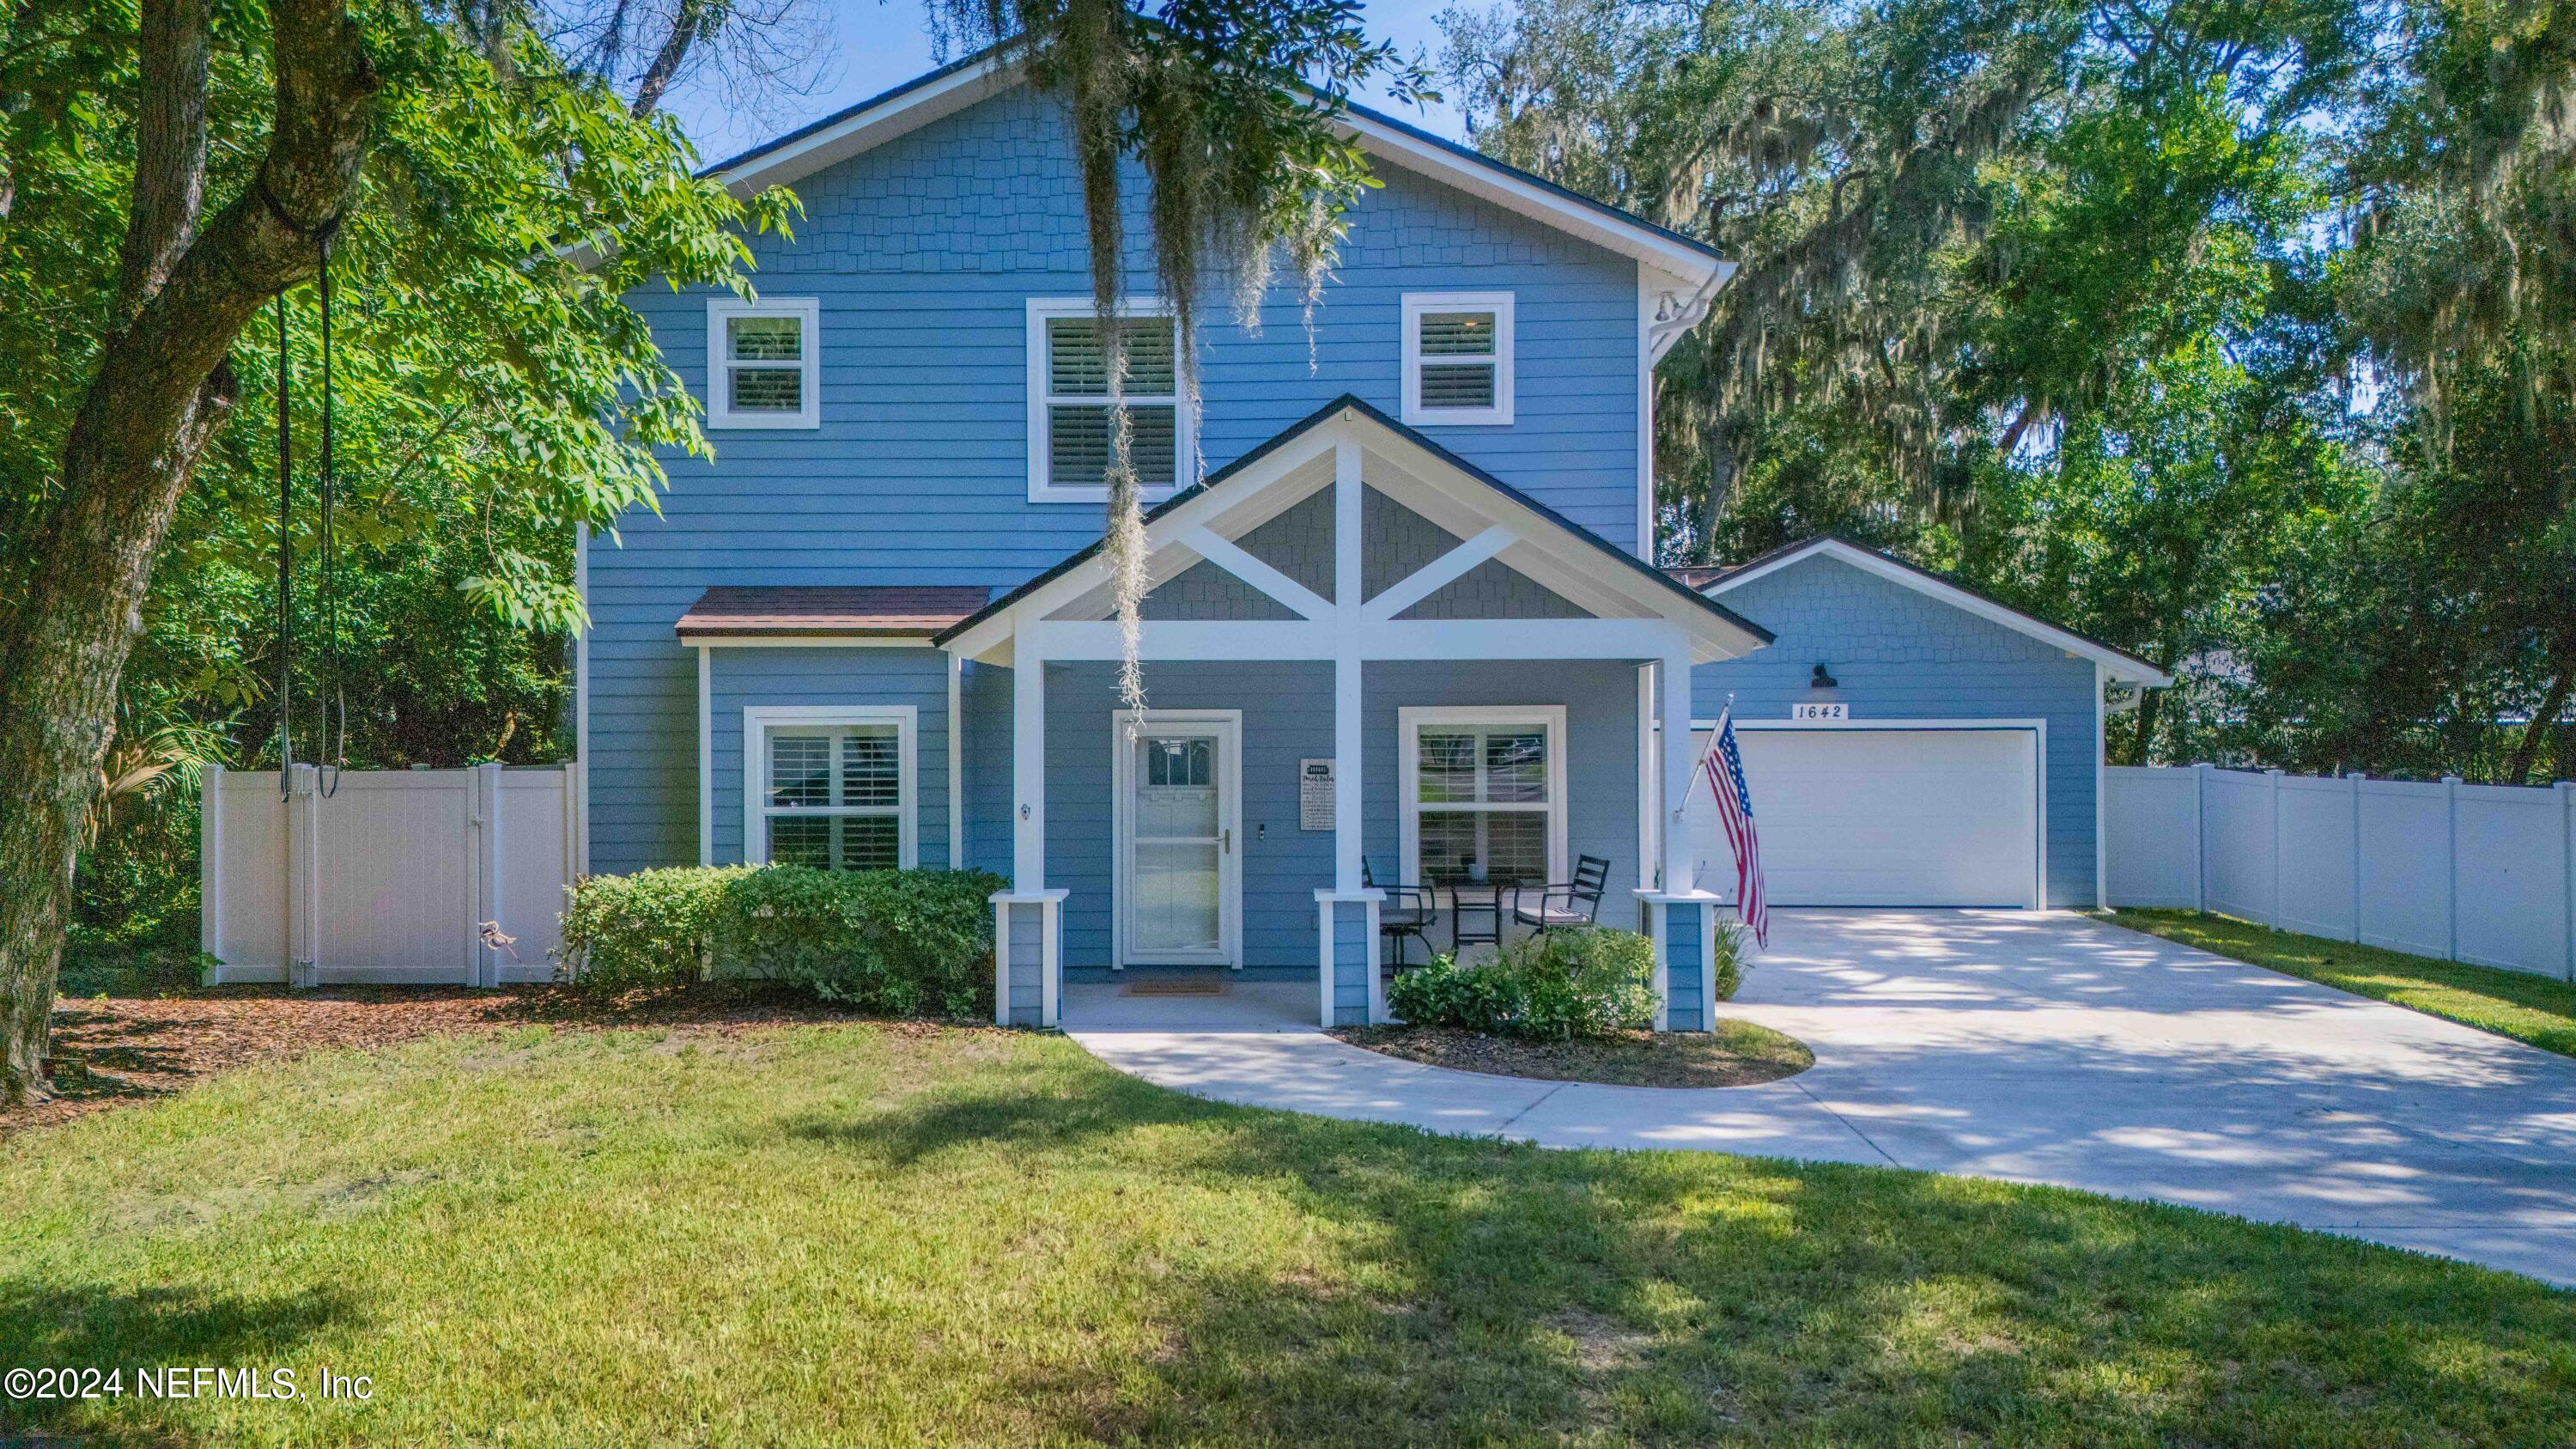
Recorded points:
1365,662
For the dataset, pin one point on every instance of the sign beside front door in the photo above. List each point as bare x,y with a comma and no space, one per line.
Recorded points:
1314,794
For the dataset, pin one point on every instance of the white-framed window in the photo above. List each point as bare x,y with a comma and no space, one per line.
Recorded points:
1069,414
829,785
1457,358
1483,791
764,363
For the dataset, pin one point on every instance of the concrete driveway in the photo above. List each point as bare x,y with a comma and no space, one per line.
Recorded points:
2037,1048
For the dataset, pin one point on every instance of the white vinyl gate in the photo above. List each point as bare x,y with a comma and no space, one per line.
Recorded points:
390,878
2479,873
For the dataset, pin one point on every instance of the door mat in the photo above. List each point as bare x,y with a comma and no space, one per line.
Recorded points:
1175,986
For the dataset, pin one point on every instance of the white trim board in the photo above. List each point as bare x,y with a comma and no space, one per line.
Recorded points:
757,719
706,755
1412,308
1185,423
807,641
1227,726
2116,664
1637,616
721,416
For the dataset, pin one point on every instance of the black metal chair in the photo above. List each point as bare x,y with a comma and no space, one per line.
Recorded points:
1404,915
1469,905
1575,903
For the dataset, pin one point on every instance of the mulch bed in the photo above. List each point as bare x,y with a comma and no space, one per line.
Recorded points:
117,1050
1738,1054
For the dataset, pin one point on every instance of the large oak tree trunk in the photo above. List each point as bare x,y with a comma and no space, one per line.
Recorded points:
77,576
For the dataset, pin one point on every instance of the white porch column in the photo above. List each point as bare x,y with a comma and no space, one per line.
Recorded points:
1673,685
1349,988
1028,920
1348,669
1028,762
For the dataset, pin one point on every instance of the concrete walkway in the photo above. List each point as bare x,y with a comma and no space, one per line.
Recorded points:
2034,1048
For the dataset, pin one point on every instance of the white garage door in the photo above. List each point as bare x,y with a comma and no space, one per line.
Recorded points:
1896,817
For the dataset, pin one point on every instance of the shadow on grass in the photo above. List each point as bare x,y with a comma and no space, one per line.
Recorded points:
1471,1290
131,1329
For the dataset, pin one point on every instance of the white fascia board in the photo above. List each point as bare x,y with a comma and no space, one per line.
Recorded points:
1168,531
897,114
2117,665
1712,638
1522,197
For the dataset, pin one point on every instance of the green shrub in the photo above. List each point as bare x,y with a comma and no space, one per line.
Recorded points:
652,929
1563,984
896,942
1728,963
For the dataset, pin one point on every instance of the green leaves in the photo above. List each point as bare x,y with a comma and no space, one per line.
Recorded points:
895,942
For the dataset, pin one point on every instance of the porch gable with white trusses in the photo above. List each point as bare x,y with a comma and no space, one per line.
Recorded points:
1603,604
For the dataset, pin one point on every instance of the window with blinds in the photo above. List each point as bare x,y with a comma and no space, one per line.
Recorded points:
834,795
761,364
1485,798
1073,415
1457,358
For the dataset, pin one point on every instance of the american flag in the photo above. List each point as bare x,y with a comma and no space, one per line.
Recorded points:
1725,767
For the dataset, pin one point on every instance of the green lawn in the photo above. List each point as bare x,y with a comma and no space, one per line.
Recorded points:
852,1234
2535,1009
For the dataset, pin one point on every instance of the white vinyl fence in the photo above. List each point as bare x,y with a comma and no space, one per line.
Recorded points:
390,878
2478,873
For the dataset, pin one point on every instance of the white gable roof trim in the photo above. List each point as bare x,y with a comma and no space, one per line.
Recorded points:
2116,664
1553,552
954,87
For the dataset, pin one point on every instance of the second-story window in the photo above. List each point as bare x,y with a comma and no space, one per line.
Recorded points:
1457,358
763,363
1069,413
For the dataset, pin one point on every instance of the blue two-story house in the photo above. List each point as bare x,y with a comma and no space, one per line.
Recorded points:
1404,626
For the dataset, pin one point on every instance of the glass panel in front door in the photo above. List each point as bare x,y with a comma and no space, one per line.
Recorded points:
1179,862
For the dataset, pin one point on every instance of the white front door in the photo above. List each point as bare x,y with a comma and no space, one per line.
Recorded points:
1178,876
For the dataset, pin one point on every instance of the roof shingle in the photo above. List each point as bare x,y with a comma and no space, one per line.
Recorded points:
789,611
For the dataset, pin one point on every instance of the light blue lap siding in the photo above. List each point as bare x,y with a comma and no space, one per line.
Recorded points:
1682,967
1353,959
985,693
1287,716
923,254
833,676
1899,654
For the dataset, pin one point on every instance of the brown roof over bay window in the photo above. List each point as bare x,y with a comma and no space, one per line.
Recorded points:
891,611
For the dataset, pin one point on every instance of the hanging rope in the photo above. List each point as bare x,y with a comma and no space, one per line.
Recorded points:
329,754
334,754
285,562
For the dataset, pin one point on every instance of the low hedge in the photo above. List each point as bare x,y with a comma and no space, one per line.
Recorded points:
1565,984
896,942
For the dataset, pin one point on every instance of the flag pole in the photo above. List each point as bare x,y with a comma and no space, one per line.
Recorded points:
1699,767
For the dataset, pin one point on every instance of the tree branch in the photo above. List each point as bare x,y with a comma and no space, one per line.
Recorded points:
687,25
160,392
169,145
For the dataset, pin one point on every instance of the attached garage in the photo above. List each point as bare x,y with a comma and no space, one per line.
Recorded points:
1887,815
1908,741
